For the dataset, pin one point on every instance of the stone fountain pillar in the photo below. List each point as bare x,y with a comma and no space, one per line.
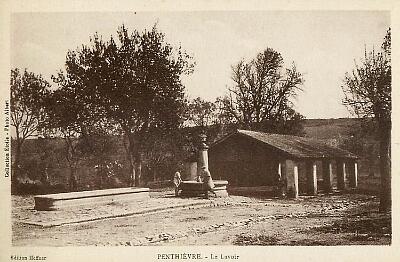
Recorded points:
192,188
202,159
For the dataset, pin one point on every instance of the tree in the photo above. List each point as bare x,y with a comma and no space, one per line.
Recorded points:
367,90
28,92
160,153
260,98
134,83
201,113
85,132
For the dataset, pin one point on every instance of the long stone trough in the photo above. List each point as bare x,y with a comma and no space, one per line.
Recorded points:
73,199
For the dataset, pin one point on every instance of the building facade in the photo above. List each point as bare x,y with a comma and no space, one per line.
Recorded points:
248,158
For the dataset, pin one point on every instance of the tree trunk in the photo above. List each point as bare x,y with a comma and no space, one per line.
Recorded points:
385,169
72,180
100,174
135,162
154,175
131,156
16,169
132,174
138,170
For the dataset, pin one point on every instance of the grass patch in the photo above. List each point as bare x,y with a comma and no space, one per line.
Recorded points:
255,240
307,242
190,219
365,227
361,238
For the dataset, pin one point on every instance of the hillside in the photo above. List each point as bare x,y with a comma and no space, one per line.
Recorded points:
331,128
345,133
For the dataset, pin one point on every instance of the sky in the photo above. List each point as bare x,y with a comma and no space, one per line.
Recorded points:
324,45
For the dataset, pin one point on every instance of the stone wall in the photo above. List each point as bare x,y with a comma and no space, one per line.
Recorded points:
243,162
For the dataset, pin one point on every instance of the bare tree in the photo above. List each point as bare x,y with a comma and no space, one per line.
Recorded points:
367,90
262,92
28,92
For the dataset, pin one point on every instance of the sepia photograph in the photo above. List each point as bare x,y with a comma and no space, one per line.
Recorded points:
199,128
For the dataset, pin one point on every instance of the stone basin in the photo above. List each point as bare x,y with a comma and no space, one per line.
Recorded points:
74,199
194,188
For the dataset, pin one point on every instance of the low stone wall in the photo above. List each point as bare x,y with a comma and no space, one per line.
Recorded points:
63,200
194,188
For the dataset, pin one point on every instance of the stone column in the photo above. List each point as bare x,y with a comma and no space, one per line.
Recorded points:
202,159
292,178
353,172
192,171
341,174
327,175
280,169
296,180
311,173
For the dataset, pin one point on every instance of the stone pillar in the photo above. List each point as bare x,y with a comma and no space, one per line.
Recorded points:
282,173
292,178
327,175
202,159
311,173
192,171
296,180
353,172
280,169
341,175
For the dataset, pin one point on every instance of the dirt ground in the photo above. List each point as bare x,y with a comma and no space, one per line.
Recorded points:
347,219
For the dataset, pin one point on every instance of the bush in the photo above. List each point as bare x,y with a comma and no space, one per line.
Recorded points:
37,188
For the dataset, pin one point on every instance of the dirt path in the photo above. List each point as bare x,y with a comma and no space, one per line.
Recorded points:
322,220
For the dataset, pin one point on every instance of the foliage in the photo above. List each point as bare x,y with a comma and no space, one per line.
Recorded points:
133,82
86,134
201,113
367,92
261,96
28,93
161,154
367,88
107,170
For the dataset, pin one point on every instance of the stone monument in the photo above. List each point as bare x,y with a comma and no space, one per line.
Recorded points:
196,187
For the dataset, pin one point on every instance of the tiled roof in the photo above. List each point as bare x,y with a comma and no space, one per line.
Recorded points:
296,146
